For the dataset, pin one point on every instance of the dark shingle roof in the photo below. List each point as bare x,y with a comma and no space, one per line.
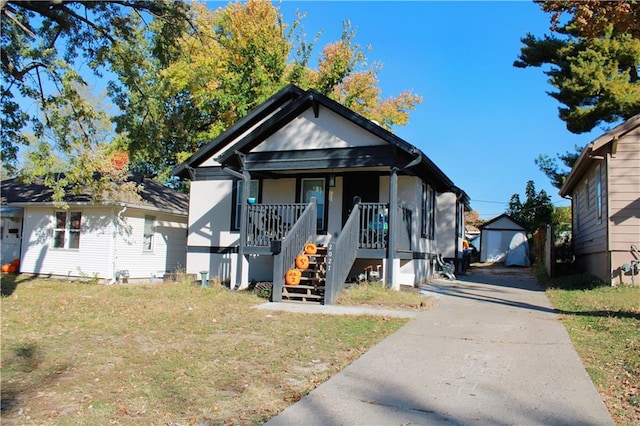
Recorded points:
153,195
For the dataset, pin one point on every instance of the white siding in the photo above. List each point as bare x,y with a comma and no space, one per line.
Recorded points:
90,260
169,245
210,214
104,246
211,160
210,204
446,224
328,130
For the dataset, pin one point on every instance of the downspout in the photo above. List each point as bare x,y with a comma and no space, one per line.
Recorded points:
246,181
114,265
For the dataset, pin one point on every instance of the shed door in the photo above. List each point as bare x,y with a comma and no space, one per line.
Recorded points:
494,246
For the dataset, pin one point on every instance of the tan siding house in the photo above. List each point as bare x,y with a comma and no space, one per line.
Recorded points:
604,186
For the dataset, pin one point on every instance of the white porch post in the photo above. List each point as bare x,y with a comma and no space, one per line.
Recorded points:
391,275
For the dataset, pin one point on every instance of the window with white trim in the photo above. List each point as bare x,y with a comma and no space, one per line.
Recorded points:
586,194
576,208
66,231
314,187
149,232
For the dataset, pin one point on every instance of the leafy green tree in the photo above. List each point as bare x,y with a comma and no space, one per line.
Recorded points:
229,62
536,210
45,48
593,59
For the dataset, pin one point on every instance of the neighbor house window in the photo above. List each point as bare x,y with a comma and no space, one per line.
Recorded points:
149,232
586,194
598,192
254,191
66,232
576,208
314,188
428,212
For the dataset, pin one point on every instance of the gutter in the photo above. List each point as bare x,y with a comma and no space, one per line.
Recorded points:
114,264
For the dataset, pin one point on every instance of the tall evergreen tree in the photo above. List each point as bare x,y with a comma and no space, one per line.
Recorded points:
592,59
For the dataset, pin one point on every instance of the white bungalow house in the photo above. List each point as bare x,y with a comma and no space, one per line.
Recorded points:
106,241
301,168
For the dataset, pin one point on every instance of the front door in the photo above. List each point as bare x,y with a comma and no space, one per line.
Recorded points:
365,185
11,240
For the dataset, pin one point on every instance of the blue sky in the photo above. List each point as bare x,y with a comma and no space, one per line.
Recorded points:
482,121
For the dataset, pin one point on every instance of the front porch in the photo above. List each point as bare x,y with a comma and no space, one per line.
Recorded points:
282,231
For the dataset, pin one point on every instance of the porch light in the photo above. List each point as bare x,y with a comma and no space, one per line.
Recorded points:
332,180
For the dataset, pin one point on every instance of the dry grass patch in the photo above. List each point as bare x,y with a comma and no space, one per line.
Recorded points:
604,325
376,294
170,353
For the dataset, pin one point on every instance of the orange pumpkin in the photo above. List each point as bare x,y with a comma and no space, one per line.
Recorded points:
292,277
310,248
16,262
11,269
302,261
5,267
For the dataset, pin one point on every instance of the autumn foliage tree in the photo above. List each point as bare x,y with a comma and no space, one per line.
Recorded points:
178,73
231,61
48,49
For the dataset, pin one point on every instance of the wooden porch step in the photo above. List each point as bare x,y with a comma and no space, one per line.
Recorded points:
302,293
312,279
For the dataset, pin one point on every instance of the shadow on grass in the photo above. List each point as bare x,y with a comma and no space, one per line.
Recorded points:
602,314
584,282
9,283
22,374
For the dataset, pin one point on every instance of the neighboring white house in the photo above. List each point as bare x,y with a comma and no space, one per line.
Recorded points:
108,241
496,237
251,185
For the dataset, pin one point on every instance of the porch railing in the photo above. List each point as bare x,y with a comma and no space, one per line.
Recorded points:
374,225
293,241
270,222
341,253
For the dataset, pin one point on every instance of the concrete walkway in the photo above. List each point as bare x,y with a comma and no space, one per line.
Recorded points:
491,351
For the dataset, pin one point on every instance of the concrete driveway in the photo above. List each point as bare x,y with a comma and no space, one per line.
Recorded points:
492,351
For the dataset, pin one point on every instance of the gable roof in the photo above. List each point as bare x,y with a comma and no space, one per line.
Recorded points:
288,104
287,94
154,196
497,218
585,159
